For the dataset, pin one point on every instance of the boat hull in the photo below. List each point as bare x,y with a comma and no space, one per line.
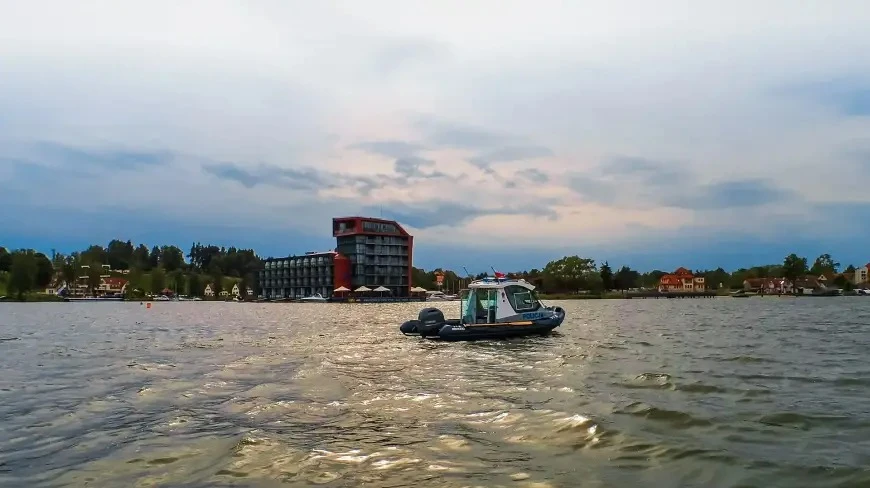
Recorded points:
455,330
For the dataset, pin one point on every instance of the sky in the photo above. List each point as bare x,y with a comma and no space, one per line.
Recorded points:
498,133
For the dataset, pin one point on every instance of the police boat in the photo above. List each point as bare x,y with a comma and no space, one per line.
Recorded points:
490,308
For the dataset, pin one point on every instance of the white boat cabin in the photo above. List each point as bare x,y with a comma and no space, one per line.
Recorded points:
490,301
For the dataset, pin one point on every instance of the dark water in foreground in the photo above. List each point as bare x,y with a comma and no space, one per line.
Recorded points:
766,392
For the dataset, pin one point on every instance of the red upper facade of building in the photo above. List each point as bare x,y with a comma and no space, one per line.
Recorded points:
348,226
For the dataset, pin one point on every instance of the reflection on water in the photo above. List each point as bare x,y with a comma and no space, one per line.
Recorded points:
760,392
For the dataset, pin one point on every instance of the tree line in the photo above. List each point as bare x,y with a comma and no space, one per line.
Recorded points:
570,274
146,269
158,267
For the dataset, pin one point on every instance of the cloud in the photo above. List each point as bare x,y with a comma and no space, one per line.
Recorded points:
644,182
446,134
510,153
534,175
52,154
425,215
413,167
734,194
292,178
393,149
602,134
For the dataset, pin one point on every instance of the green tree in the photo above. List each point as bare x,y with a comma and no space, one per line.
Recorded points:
824,264
254,283
738,277
44,271
95,255
194,285
793,267
626,278
141,258
717,277
5,259
119,254
94,279
419,277
154,257
22,273
606,276
652,278
172,258
243,287
68,270
569,274
843,283
178,281
135,279
158,281
849,269
217,284
216,276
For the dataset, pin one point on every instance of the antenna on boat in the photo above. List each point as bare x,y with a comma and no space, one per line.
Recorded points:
467,273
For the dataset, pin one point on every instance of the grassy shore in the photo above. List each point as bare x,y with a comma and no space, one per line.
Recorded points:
32,298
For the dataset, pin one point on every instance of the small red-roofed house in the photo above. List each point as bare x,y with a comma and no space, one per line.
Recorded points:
681,281
112,286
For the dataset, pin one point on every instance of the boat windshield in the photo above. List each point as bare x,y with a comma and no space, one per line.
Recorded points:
522,299
478,306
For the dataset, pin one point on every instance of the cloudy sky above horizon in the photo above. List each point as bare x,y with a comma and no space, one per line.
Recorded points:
654,134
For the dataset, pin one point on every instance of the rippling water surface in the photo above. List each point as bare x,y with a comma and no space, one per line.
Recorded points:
765,392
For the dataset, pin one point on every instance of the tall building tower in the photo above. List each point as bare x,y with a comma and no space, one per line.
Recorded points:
380,253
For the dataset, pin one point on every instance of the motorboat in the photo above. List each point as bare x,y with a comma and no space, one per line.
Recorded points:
438,296
317,298
490,308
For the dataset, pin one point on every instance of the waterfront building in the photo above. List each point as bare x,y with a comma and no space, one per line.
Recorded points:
862,275
302,276
681,280
380,253
369,252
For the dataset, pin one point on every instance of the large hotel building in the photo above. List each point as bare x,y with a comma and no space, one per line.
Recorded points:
369,252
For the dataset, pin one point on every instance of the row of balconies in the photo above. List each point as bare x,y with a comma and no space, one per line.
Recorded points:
295,273
385,272
285,283
298,263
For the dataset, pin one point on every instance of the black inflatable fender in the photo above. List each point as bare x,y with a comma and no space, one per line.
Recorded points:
409,327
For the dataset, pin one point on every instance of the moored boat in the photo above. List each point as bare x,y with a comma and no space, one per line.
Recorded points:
316,298
490,308
438,296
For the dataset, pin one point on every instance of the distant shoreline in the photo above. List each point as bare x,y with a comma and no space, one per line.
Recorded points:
672,296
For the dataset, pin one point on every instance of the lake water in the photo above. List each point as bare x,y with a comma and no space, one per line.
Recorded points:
764,392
